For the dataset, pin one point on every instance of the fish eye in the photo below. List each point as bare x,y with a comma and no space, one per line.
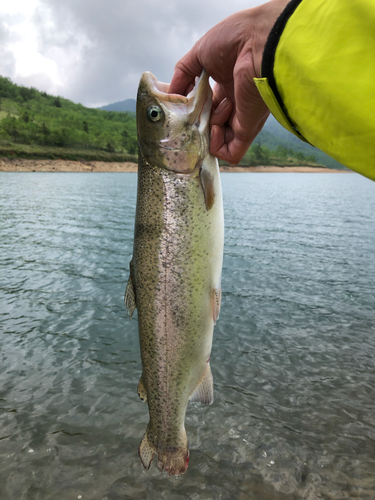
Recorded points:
154,113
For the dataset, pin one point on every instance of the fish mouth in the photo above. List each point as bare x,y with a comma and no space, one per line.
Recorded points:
196,105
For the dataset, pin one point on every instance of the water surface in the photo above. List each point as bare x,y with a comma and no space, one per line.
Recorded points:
293,357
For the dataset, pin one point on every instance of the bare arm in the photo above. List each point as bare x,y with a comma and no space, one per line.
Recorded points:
232,54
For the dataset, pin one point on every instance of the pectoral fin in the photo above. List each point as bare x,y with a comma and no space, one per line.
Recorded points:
204,392
130,298
141,390
207,181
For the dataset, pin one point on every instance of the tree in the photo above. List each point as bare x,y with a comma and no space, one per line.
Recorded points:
10,125
261,153
132,148
27,93
300,156
257,150
110,147
45,132
281,152
60,137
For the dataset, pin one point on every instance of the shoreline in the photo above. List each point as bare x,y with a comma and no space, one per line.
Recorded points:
287,169
44,165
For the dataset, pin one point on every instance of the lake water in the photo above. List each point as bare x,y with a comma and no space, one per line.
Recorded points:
293,358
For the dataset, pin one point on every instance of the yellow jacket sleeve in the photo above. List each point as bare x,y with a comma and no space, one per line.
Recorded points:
318,77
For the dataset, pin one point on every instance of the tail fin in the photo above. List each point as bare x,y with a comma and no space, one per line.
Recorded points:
173,459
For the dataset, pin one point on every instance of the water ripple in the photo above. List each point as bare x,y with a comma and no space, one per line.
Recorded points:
293,357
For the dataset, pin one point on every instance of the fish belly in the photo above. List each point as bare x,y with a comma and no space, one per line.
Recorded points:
177,264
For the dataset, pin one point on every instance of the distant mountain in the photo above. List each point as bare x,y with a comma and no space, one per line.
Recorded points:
274,134
127,105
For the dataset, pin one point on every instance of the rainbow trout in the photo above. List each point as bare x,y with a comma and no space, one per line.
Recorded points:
175,271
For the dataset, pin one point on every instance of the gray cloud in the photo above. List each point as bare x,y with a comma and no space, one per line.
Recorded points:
102,48
6,56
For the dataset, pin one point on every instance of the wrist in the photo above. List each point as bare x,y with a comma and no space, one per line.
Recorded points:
264,18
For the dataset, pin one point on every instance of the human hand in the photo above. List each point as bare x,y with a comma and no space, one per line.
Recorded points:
231,52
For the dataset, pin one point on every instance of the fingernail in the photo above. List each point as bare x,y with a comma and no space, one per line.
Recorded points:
222,105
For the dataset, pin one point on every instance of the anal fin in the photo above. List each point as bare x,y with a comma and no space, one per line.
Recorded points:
141,390
204,392
216,303
130,298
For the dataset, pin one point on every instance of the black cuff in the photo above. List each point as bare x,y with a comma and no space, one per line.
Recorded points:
268,60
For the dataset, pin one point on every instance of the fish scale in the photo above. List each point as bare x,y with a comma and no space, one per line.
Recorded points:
176,266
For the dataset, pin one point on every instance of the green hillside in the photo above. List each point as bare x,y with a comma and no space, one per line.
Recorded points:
36,124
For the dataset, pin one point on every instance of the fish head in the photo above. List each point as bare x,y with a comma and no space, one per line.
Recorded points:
173,130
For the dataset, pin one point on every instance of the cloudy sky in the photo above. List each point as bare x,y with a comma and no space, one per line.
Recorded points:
94,51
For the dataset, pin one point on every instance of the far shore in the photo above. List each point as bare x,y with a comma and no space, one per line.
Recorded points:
40,165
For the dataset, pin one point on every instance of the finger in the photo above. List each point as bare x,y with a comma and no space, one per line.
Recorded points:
222,113
180,82
215,100
225,146
220,92
218,143
185,72
231,140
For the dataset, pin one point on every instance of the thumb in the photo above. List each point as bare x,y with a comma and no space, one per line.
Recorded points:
185,72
